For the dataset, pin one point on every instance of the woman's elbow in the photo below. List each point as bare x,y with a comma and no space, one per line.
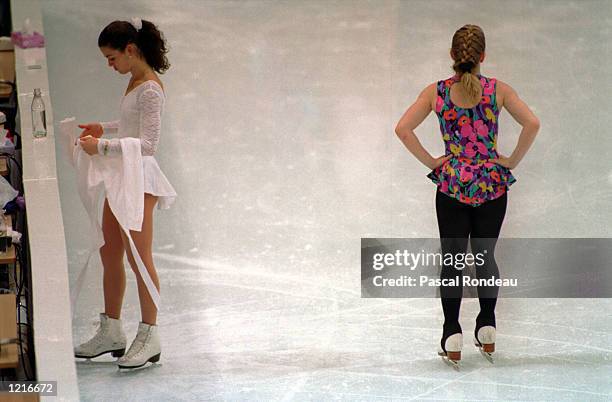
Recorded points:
148,149
535,124
398,131
402,132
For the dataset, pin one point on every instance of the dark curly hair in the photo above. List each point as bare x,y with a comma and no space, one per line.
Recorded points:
149,40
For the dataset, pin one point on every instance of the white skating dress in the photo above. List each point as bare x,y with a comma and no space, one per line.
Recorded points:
140,117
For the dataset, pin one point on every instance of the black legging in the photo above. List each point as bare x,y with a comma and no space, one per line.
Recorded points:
457,222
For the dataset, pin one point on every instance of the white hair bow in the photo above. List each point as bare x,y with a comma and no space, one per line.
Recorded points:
136,23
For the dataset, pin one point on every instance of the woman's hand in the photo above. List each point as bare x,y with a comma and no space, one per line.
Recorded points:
92,129
505,162
437,162
89,144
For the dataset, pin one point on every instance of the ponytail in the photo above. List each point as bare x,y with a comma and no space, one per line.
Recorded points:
152,45
471,86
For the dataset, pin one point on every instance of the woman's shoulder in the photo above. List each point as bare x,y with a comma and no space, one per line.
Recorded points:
150,88
503,86
153,83
430,93
494,82
503,91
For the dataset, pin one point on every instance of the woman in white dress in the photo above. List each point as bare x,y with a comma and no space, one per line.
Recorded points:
136,47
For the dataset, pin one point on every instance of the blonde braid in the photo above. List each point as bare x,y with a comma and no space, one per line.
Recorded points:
467,47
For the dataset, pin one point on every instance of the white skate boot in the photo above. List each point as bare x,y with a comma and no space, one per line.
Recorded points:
145,348
484,340
109,338
451,354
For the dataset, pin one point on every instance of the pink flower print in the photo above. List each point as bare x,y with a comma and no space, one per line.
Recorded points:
488,86
439,104
466,130
474,148
481,128
444,187
470,150
482,148
466,174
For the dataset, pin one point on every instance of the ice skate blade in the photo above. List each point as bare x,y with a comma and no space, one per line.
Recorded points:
454,363
487,355
114,353
486,349
153,360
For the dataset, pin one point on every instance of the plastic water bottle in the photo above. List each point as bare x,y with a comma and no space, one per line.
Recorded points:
39,121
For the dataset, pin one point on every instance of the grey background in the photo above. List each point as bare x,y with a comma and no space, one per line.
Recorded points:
278,137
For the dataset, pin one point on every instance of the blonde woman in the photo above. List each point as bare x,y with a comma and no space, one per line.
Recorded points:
472,178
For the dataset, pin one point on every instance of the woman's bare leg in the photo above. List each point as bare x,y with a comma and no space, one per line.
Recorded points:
112,261
143,241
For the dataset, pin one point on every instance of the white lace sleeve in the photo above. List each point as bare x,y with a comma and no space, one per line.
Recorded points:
109,127
150,106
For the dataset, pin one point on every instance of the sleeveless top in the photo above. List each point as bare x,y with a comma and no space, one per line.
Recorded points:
470,135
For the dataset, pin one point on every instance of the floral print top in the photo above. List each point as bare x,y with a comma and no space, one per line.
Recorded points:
470,135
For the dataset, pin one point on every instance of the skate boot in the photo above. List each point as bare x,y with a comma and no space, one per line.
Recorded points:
145,348
484,340
450,350
109,338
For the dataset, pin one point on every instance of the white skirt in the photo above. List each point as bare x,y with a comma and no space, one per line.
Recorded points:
156,183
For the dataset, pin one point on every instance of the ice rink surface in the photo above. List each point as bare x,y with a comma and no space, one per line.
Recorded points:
278,137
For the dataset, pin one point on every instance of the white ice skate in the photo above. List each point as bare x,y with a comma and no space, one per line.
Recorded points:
109,338
144,349
485,341
451,354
